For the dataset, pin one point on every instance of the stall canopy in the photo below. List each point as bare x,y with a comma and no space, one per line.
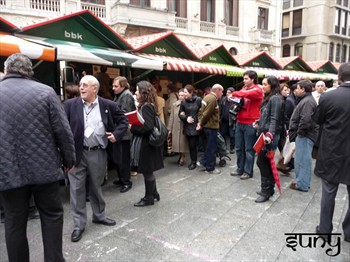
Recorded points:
285,75
10,44
294,63
168,47
324,66
7,26
83,37
261,59
220,60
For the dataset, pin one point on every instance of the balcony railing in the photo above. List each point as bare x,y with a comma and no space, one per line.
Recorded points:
231,30
207,27
98,10
181,23
45,5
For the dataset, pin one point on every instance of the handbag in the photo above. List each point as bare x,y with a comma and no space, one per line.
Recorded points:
159,133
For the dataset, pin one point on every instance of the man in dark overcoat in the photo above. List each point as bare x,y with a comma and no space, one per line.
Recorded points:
36,141
333,162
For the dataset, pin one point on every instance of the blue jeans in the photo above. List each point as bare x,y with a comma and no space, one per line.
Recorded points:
245,140
303,162
209,157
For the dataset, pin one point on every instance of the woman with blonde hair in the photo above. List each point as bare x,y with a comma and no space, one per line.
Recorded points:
144,157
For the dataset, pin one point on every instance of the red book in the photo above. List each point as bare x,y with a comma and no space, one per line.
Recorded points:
135,118
259,143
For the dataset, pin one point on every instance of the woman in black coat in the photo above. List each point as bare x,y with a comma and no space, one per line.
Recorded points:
270,123
188,113
144,157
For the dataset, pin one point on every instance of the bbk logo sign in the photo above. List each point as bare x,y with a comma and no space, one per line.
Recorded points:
73,35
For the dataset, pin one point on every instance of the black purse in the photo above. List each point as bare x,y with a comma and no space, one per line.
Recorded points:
159,133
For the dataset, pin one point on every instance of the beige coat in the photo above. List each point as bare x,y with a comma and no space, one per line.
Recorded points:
175,126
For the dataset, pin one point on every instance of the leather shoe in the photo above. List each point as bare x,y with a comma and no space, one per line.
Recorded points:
107,222
293,186
117,183
262,199
192,166
76,235
326,237
145,202
235,173
125,188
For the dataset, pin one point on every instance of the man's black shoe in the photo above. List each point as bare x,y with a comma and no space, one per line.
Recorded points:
326,237
125,188
76,235
117,183
107,222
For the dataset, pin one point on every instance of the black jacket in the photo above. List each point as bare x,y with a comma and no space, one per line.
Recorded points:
333,116
35,137
301,120
151,158
113,119
191,107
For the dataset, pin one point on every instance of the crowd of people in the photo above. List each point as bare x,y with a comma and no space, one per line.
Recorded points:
88,132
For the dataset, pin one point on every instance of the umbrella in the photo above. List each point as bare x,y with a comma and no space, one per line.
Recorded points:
271,155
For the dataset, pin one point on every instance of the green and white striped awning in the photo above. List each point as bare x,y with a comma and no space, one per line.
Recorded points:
75,52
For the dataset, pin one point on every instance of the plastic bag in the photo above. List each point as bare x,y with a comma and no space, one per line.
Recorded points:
288,150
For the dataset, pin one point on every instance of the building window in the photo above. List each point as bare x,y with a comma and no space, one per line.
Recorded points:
286,4
233,51
143,3
337,21
337,53
345,22
263,18
98,2
208,10
285,24
346,3
178,6
339,2
298,50
286,51
297,22
343,53
298,3
231,12
331,52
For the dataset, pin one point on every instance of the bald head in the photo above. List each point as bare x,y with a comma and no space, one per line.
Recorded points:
218,90
320,87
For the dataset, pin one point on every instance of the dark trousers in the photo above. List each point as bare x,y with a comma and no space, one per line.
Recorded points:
329,192
209,157
49,205
228,131
123,167
267,180
192,144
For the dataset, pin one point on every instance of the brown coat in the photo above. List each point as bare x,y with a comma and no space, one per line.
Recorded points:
175,126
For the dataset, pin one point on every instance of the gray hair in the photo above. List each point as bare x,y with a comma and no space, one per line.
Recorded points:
216,86
18,64
91,80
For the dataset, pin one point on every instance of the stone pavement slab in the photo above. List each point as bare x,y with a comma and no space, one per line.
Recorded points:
200,217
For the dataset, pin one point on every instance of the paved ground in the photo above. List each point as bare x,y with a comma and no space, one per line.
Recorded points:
200,217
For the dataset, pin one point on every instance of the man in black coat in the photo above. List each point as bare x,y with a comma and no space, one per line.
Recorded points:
36,141
333,162
95,121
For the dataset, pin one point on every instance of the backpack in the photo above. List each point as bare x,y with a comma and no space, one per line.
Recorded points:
159,134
